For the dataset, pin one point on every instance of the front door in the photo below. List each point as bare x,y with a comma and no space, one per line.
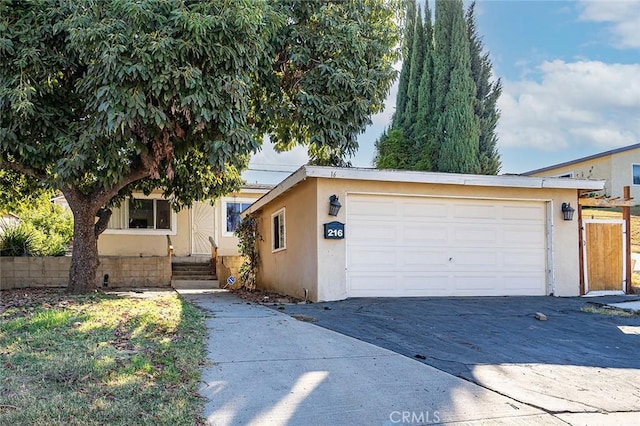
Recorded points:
202,227
604,248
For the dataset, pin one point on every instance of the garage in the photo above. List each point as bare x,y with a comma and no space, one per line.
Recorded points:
417,234
428,246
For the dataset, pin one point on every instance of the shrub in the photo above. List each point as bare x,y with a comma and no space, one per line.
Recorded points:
248,235
45,230
16,240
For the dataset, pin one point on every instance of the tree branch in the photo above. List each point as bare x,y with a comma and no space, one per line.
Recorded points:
21,168
103,215
100,197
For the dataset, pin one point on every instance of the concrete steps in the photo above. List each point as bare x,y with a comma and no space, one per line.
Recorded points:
193,275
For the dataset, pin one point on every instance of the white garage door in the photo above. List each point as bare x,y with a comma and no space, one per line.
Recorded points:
416,246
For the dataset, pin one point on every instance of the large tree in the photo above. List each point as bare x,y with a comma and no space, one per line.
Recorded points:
409,23
487,93
457,130
448,120
99,99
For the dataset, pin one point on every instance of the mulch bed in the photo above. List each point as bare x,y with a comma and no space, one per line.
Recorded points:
265,297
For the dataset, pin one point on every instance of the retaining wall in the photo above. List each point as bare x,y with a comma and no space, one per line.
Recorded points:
22,272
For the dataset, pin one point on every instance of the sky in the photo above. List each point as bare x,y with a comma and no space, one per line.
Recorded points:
570,72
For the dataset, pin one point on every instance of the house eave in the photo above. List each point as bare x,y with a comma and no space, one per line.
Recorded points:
404,176
583,159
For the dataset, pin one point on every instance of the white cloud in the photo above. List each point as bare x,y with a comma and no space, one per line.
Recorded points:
578,104
622,16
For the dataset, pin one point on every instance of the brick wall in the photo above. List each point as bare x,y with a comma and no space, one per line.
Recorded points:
21,272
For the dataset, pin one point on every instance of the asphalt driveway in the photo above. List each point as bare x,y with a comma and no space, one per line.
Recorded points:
574,362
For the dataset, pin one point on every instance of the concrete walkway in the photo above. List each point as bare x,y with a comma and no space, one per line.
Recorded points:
267,368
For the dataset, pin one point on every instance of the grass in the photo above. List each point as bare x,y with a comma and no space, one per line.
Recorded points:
608,311
101,359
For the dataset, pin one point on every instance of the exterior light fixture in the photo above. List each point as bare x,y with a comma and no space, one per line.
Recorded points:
567,211
334,205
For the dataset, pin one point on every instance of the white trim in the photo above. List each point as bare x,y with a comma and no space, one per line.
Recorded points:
283,224
464,197
124,207
380,175
621,222
551,270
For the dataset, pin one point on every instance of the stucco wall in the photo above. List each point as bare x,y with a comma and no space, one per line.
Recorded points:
616,169
292,270
123,244
621,175
21,272
311,198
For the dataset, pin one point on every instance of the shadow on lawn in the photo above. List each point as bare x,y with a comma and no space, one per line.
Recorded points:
101,359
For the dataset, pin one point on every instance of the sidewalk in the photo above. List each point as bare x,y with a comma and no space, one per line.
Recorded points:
267,368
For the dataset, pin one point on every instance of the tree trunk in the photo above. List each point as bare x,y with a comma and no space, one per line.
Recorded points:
84,263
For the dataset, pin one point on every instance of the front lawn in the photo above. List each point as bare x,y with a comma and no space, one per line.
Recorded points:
100,359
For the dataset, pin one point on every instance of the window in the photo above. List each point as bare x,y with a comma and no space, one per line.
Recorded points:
233,215
278,232
636,174
149,214
142,215
566,175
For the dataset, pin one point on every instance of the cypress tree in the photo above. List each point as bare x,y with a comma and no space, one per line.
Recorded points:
426,118
391,151
407,53
446,111
459,144
415,74
487,94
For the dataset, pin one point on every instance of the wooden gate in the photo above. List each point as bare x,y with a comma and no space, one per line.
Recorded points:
604,248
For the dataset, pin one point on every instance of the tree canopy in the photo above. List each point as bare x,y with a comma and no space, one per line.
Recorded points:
446,113
99,99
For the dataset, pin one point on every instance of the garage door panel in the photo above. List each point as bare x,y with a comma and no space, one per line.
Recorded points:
525,285
522,259
375,209
475,211
468,235
523,235
362,258
416,209
483,259
529,213
445,247
474,284
373,233
424,259
424,234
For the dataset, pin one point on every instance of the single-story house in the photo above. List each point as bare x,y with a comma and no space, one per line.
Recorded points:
618,168
407,233
146,226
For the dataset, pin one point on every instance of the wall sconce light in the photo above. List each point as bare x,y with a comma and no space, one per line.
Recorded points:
567,211
334,205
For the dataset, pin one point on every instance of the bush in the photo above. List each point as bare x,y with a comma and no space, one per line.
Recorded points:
45,230
16,240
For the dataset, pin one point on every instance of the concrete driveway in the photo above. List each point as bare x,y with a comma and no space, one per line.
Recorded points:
574,363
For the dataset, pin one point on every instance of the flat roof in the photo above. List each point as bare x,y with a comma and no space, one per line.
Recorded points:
389,175
580,160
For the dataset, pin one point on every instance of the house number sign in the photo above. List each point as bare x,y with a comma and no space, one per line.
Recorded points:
334,230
